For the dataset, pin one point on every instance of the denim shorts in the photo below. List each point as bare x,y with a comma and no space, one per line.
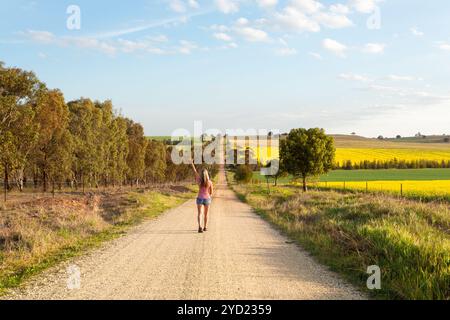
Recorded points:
203,202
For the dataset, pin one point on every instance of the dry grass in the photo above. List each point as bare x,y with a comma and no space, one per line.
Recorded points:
37,231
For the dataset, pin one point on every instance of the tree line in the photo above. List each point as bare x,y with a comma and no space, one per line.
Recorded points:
49,142
392,164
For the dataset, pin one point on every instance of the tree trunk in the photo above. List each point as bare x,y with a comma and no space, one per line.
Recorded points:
44,177
82,181
35,179
305,187
53,188
6,181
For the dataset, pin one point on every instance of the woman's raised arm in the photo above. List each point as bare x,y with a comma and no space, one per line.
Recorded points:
197,176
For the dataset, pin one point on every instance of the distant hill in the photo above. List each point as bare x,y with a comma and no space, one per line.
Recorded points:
355,141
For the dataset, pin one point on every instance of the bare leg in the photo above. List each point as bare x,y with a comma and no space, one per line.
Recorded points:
206,215
199,208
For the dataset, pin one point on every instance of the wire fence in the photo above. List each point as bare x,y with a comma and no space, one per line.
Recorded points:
421,190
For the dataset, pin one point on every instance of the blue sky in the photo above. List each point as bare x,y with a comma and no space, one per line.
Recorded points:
365,66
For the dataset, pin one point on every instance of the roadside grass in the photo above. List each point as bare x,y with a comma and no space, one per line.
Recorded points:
408,240
39,234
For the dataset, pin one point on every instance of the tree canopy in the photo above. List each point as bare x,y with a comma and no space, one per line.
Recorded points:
307,152
78,143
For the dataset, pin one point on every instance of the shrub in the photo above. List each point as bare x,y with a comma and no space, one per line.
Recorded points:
243,174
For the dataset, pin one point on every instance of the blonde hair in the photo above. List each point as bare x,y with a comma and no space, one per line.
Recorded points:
204,178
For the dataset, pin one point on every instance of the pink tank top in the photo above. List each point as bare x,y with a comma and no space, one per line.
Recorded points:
203,193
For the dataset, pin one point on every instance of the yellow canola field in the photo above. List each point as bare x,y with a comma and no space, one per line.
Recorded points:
410,187
357,155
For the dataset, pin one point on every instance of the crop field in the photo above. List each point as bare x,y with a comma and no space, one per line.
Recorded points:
413,183
356,155
359,149
386,175
361,154
431,189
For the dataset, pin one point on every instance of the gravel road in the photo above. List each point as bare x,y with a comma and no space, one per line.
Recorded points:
240,257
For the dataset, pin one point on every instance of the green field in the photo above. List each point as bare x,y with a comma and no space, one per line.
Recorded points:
387,175
376,175
160,138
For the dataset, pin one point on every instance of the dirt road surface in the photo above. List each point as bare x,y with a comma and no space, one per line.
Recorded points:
240,257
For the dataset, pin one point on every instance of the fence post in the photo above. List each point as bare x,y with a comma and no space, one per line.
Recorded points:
401,189
367,186
344,186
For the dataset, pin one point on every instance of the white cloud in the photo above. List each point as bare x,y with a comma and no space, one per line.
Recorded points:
170,22
219,28
177,6
131,46
227,6
394,77
333,20
41,36
242,21
309,15
90,43
295,20
335,47
339,9
354,77
180,6
410,96
267,3
232,45
223,36
45,37
364,6
243,28
187,47
416,32
110,47
193,4
284,52
307,6
158,38
316,55
443,46
252,34
374,48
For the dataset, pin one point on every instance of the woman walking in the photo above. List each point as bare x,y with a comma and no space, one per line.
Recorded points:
204,199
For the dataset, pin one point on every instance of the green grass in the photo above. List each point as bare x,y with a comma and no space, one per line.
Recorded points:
386,175
160,138
348,232
16,267
168,138
375,175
